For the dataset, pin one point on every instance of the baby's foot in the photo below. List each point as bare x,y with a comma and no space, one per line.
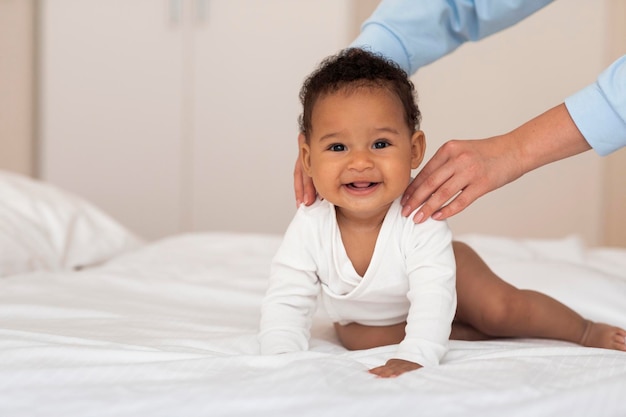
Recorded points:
602,335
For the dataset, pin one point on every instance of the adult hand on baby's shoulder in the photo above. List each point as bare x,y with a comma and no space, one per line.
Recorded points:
394,368
302,183
460,172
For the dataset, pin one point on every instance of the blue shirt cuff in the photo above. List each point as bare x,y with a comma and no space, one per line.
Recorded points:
596,119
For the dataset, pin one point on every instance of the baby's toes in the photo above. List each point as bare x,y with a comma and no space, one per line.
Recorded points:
619,340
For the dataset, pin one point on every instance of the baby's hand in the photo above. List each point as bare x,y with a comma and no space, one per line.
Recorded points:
394,368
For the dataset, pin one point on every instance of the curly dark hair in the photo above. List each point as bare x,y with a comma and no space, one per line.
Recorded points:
354,68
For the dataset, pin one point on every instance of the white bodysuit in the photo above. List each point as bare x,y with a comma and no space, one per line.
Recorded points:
411,277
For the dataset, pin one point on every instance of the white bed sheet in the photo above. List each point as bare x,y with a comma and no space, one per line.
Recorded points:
170,330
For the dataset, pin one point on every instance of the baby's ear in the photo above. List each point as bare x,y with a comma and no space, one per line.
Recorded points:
305,154
418,148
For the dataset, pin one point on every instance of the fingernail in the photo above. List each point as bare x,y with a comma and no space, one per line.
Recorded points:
437,215
418,217
298,202
406,210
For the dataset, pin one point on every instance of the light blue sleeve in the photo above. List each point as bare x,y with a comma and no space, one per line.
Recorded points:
414,33
599,110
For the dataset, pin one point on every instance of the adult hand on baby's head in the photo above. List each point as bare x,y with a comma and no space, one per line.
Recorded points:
302,183
461,170
394,368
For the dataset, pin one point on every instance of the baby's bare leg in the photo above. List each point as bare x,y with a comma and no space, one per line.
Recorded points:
497,309
355,336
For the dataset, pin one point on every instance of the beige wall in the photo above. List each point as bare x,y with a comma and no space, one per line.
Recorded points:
615,167
17,127
482,89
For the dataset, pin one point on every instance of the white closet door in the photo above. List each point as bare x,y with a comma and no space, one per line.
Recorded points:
111,76
251,58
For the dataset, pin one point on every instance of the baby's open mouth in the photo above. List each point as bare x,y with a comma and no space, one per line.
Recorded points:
361,185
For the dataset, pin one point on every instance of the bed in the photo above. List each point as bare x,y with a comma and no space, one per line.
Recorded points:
96,322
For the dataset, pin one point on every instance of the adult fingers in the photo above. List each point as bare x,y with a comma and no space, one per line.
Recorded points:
298,182
303,185
455,177
309,190
457,204
436,172
430,176
431,191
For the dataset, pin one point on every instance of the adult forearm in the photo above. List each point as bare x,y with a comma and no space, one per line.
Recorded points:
548,137
415,33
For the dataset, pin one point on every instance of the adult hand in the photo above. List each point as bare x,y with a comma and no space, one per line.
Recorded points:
302,183
459,173
462,171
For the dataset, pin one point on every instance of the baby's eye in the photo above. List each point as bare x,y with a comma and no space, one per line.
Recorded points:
337,147
380,144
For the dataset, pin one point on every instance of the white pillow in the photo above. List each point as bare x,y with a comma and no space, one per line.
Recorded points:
45,228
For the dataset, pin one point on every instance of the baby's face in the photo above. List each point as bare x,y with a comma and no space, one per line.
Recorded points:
361,151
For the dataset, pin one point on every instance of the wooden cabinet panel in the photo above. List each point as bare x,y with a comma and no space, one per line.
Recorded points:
181,115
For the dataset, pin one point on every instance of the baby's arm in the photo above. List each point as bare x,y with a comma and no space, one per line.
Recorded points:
290,300
286,316
286,312
432,293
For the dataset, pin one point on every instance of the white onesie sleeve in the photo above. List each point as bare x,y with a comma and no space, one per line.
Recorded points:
432,291
290,301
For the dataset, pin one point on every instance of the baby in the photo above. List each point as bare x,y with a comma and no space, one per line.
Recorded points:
382,278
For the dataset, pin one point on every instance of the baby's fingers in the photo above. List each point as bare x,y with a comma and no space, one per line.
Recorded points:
384,372
394,368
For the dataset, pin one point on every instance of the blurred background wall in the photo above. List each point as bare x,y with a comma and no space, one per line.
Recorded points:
180,115
17,85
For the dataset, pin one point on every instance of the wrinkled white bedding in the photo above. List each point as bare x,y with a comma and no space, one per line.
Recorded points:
169,329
